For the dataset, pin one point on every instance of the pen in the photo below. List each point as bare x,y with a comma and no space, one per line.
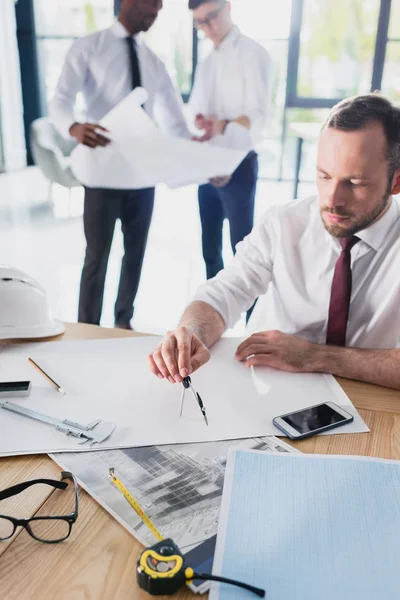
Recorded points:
58,387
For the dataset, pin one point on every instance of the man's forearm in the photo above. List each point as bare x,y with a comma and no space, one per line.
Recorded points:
204,321
381,367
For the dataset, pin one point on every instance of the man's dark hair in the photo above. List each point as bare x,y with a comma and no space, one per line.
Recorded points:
193,4
357,112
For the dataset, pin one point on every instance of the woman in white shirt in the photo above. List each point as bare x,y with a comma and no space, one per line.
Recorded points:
105,67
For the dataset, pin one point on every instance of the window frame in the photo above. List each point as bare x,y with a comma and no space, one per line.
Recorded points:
293,100
33,86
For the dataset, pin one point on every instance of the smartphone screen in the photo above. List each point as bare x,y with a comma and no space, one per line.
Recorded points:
313,418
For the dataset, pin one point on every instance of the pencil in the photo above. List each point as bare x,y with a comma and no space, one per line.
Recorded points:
135,505
58,387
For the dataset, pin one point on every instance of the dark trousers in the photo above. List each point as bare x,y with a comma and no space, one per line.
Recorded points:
234,201
101,210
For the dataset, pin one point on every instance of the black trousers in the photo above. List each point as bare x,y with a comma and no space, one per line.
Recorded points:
102,207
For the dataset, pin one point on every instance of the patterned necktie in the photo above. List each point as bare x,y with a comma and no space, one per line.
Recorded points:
134,63
340,295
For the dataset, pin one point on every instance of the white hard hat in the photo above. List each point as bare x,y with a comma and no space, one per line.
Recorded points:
24,310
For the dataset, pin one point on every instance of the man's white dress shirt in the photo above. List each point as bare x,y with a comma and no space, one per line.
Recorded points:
234,80
290,254
98,66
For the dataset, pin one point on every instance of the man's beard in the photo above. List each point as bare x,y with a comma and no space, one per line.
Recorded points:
341,232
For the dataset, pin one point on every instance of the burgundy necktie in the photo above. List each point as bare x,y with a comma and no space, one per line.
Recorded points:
340,295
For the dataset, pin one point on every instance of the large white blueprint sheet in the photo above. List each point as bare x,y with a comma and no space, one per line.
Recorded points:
179,487
141,156
110,380
315,527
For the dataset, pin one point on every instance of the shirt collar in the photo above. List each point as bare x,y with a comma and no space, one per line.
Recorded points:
120,31
230,40
375,234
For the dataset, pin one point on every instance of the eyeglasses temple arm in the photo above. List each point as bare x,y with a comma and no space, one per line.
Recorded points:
20,487
69,475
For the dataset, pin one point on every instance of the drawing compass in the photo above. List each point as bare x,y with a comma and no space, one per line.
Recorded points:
187,384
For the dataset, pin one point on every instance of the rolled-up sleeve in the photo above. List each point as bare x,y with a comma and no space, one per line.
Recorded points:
236,287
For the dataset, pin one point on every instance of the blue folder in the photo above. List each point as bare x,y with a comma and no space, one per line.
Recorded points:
307,527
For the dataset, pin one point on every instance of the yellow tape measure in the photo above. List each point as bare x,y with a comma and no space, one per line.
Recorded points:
161,569
136,507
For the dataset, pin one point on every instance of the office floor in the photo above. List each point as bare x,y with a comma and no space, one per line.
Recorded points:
46,240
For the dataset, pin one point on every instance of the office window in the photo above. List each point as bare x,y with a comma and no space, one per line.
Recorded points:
171,38
272,33
337,45
329,62
391,73
71,18
59,22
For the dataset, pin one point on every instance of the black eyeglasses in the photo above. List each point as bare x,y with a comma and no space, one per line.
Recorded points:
209,18
50,529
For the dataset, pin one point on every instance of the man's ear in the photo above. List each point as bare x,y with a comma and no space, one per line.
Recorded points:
396,183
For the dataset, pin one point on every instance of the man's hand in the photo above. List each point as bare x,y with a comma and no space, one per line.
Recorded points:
178,355
221,181
86,134
200,121
279,350
210,125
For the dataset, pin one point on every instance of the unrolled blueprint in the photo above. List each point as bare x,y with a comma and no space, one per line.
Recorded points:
309,527
110,380
140,155
179,487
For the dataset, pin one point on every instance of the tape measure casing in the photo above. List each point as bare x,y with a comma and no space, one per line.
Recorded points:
161,569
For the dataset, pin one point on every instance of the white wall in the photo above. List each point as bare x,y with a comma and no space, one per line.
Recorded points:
11,106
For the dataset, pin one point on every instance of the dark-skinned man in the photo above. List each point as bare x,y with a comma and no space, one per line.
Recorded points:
105,67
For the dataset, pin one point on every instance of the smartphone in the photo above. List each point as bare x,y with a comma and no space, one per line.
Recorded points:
310,421
14,388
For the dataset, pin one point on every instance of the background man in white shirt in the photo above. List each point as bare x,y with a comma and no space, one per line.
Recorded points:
230,99
105,67
331,264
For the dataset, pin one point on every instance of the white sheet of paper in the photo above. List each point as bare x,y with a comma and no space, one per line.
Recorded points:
140,155
110,380
127,119
287,392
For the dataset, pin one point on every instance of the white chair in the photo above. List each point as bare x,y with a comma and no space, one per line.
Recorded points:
51,153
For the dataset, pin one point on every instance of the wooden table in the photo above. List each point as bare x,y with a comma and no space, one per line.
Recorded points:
98,560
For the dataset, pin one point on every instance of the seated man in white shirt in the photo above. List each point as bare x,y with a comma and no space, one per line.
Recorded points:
331,264
105,67
229,102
